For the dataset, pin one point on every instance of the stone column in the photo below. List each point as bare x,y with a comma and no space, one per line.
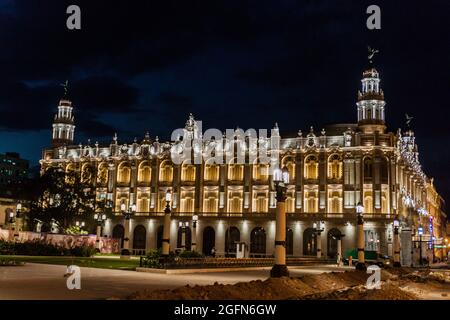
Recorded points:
125,254
166,232
280,269
339,251
194,236
97,240
396,247
319,244
361,265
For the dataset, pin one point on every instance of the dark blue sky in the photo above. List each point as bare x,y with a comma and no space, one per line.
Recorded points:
138,66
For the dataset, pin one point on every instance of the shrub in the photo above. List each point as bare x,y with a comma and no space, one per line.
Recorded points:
152,259
190,254
42,248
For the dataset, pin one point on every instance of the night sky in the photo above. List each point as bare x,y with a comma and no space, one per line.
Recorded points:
138,66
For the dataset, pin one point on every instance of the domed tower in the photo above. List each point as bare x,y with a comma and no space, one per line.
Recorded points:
63,124
371,103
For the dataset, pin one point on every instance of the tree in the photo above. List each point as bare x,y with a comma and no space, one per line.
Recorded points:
62,197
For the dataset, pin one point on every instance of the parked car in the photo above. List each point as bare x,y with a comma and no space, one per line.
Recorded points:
371,257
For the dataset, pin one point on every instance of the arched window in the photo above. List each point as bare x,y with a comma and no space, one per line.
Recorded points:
143,201
211,172
165,171
289,163
309,242
187,199
235,200
334,201
384,172
289,241
260,171
232,235
70,173
235,171
210,199
332,242
311,167
334,167
123,173
260,199
258,242
144,172
209,240
290,200
187,172
102,174
368,202
384,202
118,233
367,170
87,174
139,236
311,201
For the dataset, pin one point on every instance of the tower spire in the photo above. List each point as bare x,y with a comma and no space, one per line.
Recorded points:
63,123
371,99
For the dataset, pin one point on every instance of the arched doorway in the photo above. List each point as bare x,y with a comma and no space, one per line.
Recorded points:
118,233
139,236
232,235
289,241
209,240
187,238
258,242
159,237
309,242
333,236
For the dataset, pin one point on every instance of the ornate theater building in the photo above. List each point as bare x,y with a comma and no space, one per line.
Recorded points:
331,171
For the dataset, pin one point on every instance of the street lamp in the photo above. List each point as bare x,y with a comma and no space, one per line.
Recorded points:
166,227
361,265
18,210
194,232
396,242
125,253
100,219
281,180
318,227
11,222
183,226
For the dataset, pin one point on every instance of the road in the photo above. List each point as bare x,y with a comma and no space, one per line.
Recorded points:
47,282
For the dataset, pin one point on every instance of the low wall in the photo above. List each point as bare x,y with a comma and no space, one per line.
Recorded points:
107,245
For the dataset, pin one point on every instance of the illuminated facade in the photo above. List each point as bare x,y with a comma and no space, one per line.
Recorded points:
330,172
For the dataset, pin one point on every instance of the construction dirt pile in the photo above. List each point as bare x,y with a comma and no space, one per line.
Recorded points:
397,284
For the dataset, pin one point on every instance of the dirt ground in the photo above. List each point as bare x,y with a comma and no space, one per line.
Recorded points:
397,284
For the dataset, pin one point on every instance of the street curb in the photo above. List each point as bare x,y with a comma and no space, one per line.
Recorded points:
205,270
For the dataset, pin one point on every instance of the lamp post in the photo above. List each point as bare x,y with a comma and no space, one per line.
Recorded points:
318,228
194,232
396,242
100,219
166,227
125,253
11,222
420,232
280,179
19,217
183,226
361,265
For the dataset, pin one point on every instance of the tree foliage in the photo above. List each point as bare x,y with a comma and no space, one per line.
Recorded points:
62,197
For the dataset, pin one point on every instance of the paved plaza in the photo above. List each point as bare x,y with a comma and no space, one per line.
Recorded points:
42,281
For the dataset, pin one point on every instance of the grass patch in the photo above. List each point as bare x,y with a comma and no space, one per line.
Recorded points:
10,262
104,263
